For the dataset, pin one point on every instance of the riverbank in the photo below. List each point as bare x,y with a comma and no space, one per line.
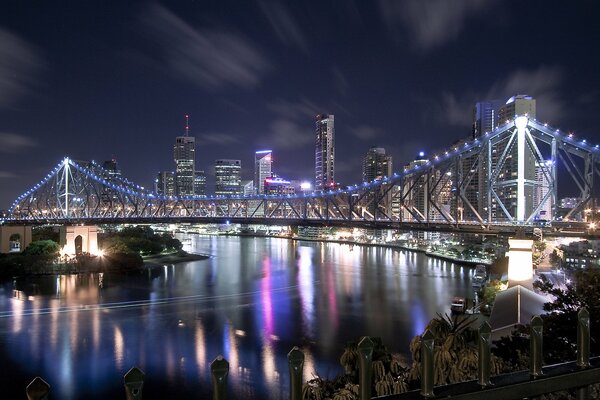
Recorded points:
433,254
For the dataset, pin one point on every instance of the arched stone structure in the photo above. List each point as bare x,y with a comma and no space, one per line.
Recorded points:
6,232
89,239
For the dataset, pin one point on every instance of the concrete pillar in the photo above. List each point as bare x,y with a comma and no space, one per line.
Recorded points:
89,239
520,262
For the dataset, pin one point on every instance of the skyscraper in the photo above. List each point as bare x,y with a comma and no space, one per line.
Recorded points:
199,183
508,168
227,177
376,164
485,117
111,167
185,162
263,165
165,183
324,152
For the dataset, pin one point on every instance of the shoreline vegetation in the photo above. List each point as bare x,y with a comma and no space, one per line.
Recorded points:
140,248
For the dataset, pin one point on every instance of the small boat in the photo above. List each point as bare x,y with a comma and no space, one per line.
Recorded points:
459,305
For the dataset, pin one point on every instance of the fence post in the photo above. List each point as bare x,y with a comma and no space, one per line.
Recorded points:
483,372
427,344
296,364
37,389
134,382
583,338
583,348
219,369
365,351
536,347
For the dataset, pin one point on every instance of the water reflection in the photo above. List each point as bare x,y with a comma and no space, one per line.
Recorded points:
252,302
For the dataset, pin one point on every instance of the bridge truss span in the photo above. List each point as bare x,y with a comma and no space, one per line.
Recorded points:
504,178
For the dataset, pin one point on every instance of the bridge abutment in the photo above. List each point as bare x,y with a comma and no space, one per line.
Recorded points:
14,239
77,239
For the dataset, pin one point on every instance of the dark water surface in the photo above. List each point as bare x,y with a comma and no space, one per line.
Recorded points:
252,301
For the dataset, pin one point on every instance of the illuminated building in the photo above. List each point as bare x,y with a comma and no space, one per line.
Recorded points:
541,191
185,162
165,183
376,164
111,167
485,117
227,177
324,152
247,188
278,186
508,168
263,164
199,183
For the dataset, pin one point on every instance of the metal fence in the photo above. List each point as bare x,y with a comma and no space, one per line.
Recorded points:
577,375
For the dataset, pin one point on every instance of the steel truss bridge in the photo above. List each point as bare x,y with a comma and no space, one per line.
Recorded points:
497,182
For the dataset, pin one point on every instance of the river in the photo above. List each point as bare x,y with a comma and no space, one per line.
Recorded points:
251,301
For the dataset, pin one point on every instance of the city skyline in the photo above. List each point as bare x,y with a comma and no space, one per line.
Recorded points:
113,80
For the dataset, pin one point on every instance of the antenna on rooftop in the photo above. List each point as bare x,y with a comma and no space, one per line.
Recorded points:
187,125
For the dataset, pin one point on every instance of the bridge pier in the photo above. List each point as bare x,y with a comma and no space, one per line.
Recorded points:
78,239
14,239
520,262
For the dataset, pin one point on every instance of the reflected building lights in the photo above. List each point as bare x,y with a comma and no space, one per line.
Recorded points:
119,347
307,288
200,346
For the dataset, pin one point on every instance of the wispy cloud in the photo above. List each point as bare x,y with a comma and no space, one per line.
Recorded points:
294,110
13,143
339,80
19,63
286,134
7,175
542,83
365,132
210,58
217,138
431,23
283,23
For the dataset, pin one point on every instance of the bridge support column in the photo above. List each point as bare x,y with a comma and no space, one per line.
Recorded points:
520,262
14,239
79,239
521,124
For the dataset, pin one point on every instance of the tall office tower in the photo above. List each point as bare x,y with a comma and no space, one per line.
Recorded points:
185,162
199,183
543,177
376,164
324,152
485,117
415,193
165,183
112,169
508,168
227,177
263,165
520,104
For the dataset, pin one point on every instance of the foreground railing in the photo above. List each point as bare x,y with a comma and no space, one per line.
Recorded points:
539,380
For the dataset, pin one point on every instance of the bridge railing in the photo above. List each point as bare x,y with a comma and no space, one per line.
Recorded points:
538,380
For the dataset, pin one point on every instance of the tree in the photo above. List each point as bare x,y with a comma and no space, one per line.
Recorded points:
560,322
42,248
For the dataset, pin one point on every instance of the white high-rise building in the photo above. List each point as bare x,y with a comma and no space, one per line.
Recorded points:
263,165
324,152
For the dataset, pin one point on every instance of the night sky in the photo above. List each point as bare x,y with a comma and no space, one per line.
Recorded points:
114,79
